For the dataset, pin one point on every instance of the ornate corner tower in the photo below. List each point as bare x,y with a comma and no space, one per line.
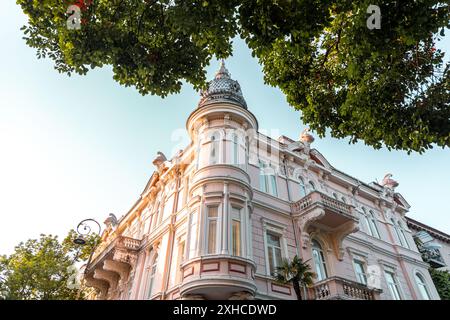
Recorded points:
219,261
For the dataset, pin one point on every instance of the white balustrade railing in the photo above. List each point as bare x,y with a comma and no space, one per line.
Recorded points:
317,197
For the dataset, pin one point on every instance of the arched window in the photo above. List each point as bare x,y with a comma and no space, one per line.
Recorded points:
151,276
343,200
213,157
267,179
235,151
398,234
319,261
403,236
366,222
422,287
373,224
301,184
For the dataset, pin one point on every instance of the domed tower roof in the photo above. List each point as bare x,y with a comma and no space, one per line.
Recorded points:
222,89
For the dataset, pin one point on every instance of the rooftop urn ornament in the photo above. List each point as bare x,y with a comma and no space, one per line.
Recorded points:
222,89
388,182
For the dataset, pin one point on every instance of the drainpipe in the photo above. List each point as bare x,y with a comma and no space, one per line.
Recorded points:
170,245
290,211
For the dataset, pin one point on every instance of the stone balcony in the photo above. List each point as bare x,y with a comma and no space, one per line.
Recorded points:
336,288
218,277
110,265
432,256
317,212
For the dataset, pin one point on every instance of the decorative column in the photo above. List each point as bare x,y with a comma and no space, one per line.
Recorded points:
225,222
248,227
201,220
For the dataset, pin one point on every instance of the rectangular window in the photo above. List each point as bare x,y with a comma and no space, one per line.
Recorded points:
193,234
360,273
393,286
236,232
212,229
274,252
273,185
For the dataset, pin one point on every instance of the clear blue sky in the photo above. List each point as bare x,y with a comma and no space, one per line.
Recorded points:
78,147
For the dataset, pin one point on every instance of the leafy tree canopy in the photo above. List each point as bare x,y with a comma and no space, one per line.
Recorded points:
40,269
441,279
387,86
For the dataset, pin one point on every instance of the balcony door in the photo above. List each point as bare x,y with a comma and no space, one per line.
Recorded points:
319,261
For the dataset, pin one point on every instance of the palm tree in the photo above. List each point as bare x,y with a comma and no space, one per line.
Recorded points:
296,272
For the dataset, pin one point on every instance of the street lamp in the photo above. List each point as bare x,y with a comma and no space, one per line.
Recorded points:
84,229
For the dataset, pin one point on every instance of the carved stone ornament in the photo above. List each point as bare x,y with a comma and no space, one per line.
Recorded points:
338,237
388,182
111,221
160,162
306,219
242,295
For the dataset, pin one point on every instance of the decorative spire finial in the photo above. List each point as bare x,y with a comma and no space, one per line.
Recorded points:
222,89
223,71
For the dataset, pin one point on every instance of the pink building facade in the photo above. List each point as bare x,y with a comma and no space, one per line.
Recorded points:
216,220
